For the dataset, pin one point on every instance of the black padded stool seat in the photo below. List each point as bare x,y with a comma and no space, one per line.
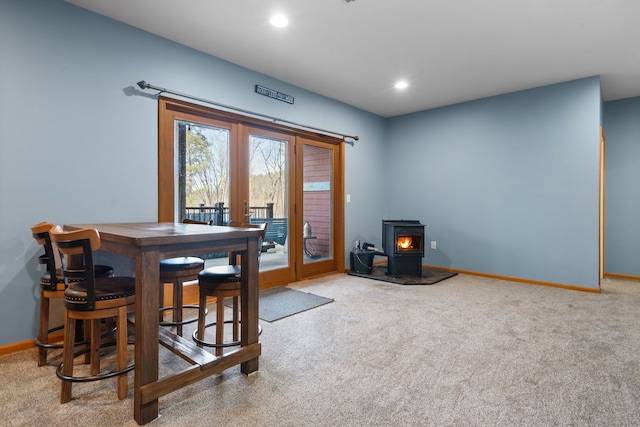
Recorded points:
181,264
109,288
218,273
177,271
45,279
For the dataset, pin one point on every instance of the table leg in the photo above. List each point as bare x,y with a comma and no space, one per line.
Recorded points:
146,329
249,302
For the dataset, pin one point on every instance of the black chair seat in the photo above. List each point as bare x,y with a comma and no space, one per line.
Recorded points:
107,288
181,263
45,280
219,273
59,285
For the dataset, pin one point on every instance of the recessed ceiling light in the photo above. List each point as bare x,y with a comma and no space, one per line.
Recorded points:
279,21
401,84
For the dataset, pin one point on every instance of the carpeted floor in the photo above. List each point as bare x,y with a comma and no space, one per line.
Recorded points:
468,351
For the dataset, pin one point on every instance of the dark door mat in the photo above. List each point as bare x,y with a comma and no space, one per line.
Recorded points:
276,303
429,276
279,302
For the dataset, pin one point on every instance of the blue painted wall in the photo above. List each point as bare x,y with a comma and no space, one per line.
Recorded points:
78,141
622,132
506,185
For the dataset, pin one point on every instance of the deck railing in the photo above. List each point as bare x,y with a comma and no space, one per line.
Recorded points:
277,231
219,214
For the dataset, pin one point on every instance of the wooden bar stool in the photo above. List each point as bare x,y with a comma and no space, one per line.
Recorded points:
222,282
92,300
178,271
52,286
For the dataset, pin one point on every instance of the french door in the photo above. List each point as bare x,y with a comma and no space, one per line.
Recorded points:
216,166
267,194
320,189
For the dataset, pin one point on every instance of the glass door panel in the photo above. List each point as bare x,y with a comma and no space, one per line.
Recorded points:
317,233
202,177
269,196
202,172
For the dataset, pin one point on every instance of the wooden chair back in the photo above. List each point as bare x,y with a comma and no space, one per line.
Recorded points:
76,248
40,233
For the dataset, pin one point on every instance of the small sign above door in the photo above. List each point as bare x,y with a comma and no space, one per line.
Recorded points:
274,94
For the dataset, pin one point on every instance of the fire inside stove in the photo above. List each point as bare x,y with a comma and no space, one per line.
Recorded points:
405,242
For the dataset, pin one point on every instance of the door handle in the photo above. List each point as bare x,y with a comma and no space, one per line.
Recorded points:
247,214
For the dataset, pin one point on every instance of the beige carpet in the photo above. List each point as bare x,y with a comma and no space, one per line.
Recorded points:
467,351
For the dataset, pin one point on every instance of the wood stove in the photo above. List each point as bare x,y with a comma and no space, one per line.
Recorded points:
403,243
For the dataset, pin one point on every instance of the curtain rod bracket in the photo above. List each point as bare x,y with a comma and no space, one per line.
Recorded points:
144,85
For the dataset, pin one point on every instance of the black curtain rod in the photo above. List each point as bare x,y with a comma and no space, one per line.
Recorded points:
144,85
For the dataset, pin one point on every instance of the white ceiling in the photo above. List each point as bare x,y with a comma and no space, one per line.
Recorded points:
449,51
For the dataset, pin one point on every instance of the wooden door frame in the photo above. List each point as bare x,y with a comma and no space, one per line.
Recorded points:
336,263
170,109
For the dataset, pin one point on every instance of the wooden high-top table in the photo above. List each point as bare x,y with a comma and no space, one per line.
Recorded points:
147,243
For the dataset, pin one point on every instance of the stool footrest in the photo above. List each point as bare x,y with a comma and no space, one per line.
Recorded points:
88,378
47,345
184,322
222,345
